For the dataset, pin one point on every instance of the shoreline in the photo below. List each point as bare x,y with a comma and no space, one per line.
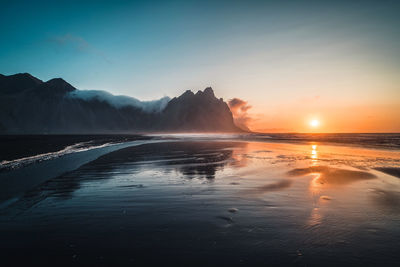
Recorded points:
15,182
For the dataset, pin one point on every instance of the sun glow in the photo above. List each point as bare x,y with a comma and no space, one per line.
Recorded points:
314,123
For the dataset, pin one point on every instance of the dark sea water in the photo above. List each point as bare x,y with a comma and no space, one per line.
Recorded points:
377,140
193,199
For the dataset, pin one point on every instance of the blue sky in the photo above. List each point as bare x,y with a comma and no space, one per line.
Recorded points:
255,50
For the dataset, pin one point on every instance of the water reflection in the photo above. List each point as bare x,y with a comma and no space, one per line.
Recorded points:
314,154
315,218
271,187
164,196
388,200
191,159
326,175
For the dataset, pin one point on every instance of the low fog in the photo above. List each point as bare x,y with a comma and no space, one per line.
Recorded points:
120,101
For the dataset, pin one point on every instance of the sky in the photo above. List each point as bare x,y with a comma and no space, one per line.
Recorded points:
288,62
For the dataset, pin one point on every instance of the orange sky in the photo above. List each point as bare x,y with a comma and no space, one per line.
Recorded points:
383,118
345,92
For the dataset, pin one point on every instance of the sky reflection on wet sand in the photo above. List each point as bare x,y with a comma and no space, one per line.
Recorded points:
236,202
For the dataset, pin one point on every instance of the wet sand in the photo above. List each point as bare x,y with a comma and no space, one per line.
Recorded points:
390,170
212,203
18,146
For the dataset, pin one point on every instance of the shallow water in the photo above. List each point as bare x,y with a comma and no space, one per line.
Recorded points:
213,203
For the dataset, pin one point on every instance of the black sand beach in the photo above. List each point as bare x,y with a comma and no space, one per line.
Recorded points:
211,203
19,146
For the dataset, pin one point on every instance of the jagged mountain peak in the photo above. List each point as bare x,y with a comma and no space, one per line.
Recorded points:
209,92
187,93
60,84
47,107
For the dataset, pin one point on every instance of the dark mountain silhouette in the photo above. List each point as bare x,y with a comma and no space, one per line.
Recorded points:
31,106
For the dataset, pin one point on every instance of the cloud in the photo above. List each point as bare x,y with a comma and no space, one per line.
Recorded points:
120,101
239,110
78,43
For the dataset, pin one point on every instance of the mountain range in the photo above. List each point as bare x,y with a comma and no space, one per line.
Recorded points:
29,105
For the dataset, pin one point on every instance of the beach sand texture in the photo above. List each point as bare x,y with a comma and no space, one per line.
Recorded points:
205,202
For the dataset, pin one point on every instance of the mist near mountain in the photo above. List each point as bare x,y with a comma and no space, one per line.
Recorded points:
29,105
120,101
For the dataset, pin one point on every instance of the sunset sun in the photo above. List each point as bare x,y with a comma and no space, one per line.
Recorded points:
314,123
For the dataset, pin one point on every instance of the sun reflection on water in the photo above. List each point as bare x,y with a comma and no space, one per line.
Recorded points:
314,155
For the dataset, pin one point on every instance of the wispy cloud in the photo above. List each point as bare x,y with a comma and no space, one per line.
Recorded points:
78,43
68,39
239,110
